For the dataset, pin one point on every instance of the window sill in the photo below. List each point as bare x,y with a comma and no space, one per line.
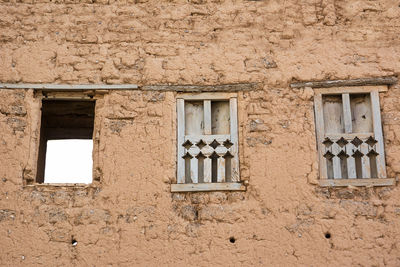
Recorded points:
357,182
207,187
61,185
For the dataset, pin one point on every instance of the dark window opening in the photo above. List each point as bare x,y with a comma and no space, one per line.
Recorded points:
66,136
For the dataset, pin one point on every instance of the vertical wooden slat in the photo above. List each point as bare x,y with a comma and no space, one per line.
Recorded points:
348,128
200,168
180,140
207,117
207,170
214,169
187,179
194,170
347,113
319,125
351,163
234,139
377,123
366,170
372,164
221,170
228,169
337,169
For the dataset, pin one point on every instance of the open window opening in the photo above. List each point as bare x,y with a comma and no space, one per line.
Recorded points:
65,149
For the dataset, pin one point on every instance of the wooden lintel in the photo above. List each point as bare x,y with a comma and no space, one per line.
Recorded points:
351,82
207,187
357,182
202,88
68,87
177,88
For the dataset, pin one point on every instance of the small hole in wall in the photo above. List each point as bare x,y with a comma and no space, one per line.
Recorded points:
232,239
327,235
74,242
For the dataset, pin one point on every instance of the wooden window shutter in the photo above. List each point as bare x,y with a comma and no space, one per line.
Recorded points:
349,137
207,143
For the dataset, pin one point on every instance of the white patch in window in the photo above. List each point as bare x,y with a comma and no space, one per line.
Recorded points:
69,161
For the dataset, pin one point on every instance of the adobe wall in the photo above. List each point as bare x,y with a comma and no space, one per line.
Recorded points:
132,219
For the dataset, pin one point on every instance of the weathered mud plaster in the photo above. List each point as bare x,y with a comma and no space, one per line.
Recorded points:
130,217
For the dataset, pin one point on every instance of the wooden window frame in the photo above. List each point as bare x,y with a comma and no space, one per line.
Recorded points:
381,180
235,183
30,179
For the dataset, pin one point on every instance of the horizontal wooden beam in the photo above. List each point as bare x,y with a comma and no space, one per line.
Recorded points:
208,96
68,87
351,82
348,136
177,88
357,182
207,187
65,185
203,88
351,89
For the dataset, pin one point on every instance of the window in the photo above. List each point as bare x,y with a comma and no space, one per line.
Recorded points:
349,136
207,143
65,149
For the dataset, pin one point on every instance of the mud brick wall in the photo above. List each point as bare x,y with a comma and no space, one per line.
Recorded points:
131,218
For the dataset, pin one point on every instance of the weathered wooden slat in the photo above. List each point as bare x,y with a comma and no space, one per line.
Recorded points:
207,96
207,117
357,182
350,90
207,169
346,113
194,170
221,170
188,178
348,136
377,124
319,127
200,168
180,140
203,88
68,95
207,187
208,138
68,87
366,170
351,164
234,139
337,169
350,82
177,88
